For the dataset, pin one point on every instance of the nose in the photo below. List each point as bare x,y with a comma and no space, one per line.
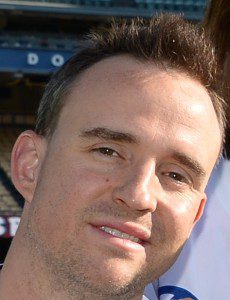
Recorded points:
139,189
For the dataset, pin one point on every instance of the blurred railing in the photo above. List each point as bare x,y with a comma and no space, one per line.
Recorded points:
38,40
16,120
194,8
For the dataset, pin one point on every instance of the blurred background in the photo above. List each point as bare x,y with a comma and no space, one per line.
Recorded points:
36,37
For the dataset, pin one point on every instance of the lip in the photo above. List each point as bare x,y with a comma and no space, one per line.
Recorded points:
136,230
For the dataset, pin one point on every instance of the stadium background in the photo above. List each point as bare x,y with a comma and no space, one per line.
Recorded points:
36,37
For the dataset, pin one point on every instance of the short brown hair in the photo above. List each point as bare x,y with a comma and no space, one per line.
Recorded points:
165,40
217,25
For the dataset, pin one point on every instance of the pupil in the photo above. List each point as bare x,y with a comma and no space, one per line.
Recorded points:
106,151
176,176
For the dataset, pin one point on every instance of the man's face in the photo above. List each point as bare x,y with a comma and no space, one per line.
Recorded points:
123,176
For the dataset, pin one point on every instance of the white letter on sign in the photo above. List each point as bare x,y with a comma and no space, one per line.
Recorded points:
32,59
57,60
14,222
2,226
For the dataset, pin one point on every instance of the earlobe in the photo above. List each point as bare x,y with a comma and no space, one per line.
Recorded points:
27,155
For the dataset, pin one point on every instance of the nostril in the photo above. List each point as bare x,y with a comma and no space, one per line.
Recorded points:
151,208
121,202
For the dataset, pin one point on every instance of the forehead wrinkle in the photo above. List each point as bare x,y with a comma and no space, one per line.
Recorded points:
109,134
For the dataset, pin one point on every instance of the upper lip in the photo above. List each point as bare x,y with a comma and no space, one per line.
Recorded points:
130,228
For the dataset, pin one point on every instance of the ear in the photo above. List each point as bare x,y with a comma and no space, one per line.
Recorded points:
26,159
200,209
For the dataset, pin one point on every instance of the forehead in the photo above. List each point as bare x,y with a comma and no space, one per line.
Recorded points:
119,74
123,92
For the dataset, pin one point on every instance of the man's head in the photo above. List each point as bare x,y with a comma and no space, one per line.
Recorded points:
127,135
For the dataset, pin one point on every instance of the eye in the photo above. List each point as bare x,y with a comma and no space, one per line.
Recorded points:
177,177
106,151
174,177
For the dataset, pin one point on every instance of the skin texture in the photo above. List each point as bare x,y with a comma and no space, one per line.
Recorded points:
133,149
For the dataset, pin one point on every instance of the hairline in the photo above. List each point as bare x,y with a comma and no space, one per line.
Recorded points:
165,65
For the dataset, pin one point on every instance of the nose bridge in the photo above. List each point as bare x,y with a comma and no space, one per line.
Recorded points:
143,178
139,187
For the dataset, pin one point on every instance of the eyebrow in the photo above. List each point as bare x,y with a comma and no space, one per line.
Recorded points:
108,134
190,163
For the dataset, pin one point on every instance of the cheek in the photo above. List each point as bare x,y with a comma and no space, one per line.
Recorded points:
63,192
89,185
178,216
75,184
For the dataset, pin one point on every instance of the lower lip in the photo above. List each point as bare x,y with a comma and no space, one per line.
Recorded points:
115,241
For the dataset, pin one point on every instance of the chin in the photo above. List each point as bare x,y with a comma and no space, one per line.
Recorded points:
103,275
119,285
113,279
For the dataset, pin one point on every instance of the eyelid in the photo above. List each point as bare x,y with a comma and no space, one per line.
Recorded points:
174,168
121,152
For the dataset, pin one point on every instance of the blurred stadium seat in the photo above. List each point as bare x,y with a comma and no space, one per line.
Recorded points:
9,204
172,5
106,3
7,138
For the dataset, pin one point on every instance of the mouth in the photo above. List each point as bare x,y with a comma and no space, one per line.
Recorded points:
120,234
126,236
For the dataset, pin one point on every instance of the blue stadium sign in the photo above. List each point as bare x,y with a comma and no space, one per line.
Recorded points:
32,61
